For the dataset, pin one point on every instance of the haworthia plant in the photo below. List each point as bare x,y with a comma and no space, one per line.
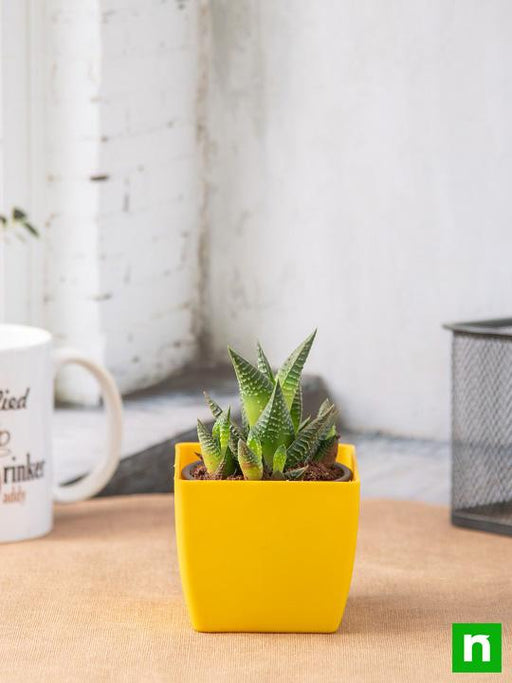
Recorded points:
274,440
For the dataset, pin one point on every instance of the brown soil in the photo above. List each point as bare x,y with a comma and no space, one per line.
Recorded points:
318,472
315,472
200,472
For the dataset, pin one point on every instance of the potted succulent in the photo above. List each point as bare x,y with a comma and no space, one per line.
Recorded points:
267,510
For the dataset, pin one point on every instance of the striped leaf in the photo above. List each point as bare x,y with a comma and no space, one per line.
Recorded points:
245,422
306,443
304,423
279,463
221,431
290,372
274,426
327,451
216,411
330,429
218,461
250,462
326,404
210,449
254,444
228,465
263,364
255,387
296,409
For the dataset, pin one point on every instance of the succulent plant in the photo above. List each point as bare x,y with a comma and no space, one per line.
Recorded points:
274,441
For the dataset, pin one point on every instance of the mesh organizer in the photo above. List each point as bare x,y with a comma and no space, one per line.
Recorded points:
482,425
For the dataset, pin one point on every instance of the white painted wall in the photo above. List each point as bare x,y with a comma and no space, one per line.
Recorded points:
361,157
73,68
149,210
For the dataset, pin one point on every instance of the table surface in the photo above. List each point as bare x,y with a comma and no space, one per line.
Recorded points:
99,599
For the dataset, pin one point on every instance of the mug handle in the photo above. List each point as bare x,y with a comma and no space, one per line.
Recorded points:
93,482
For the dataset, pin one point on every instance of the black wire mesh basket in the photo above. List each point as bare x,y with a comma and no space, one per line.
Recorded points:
482,425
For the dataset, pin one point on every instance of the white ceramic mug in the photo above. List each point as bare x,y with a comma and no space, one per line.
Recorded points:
28,365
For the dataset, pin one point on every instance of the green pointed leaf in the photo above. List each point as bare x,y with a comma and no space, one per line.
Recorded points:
250,462
290,372
327,451
254,444
331,432
216,411
306,443
304,423
330,429
324,407
214,407
210,449
279,463
296,409
245,422
222,432
296,474
255,388
227,466
264,365
274,426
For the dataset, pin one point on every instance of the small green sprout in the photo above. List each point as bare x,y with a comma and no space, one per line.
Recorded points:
16,220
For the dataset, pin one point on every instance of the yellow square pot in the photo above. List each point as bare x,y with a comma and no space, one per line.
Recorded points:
266,555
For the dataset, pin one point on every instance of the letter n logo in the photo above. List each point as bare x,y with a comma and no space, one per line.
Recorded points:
476,648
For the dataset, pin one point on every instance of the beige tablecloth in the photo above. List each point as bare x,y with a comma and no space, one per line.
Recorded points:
99,600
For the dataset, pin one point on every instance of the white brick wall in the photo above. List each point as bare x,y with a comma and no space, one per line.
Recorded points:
73,66
124,190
